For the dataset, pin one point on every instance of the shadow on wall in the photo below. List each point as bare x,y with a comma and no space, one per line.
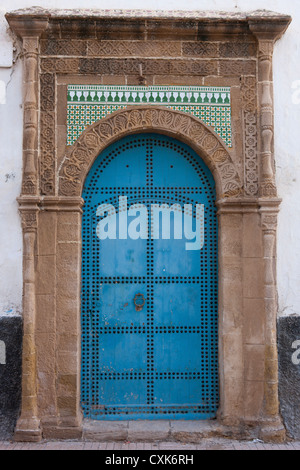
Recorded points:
10,373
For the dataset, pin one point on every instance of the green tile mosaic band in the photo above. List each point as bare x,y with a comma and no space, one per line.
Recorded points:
89,103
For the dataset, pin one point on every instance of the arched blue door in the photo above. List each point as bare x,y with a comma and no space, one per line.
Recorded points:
149,283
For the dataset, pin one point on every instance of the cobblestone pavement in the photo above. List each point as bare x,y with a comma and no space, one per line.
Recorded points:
206,444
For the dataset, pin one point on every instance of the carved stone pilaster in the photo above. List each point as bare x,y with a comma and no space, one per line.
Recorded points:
30,30
266,33
28,427
273,425
30,47
268,187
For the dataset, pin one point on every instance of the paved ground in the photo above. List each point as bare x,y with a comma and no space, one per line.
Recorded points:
206,444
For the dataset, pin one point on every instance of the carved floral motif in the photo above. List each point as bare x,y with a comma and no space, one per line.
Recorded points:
47,133
101,133
29,220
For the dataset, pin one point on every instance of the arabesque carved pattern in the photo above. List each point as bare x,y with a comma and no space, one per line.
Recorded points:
47,134
47,92
269,222
140,48
250,154
100,134
134,48
47,167
248,92
29,220
131,66
249,103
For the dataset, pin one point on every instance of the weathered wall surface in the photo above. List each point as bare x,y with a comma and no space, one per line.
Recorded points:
10,373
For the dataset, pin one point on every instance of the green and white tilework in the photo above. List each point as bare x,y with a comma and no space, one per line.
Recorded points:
89,103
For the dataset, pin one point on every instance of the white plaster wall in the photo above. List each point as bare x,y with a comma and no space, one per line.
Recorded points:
10,175
287,130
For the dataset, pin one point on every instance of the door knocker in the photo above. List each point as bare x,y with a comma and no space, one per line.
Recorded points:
139,302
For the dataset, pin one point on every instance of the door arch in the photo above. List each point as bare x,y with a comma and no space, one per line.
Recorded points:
149,290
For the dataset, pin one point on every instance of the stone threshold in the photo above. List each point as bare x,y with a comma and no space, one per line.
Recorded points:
151,431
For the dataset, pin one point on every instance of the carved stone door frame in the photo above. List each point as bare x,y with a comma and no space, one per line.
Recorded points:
234,50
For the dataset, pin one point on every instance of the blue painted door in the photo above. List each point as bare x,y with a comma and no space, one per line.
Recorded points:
149,283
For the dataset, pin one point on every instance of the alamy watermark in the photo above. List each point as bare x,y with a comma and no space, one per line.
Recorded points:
2,352
163,222
296,354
